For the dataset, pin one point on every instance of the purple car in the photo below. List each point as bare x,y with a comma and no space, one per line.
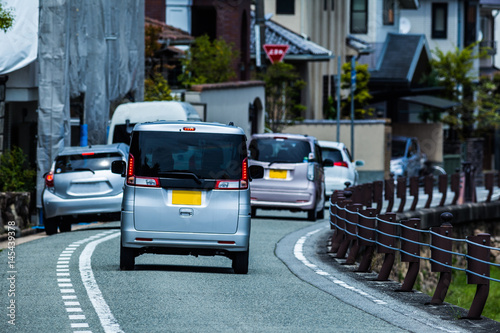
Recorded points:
292,173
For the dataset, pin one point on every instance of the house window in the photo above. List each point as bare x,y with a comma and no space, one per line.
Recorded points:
286,7
359,16
439,20
388,12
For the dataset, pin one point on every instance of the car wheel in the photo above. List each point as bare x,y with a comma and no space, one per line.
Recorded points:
65,225
253,212
311,214
127,258
240,262
321,214
50,225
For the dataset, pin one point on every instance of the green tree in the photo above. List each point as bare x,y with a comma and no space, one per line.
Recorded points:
208,62
15,175
453,70
6,18
283,86
157,89
361,95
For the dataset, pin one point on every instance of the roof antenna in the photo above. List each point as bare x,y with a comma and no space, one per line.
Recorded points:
231,123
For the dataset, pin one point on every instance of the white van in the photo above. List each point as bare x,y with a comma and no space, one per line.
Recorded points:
129,114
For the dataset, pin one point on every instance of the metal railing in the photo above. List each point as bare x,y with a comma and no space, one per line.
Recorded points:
356,224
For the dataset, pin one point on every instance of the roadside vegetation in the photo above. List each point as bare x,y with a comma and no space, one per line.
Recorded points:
461,294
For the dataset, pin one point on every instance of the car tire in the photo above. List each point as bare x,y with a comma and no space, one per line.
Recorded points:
311,214
240,262
127,258
321,214
253,212
65,225
50,225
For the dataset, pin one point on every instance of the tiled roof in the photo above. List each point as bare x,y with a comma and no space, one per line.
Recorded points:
170,35
400,57
299,47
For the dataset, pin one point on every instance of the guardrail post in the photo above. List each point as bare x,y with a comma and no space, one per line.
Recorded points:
341,225
386,235
389,193
366,237
489,179
414,192
428,189
378,190
455,186
349,227
478,272
410,251
443,188
352,232
441,255
401,193
338,234
367,194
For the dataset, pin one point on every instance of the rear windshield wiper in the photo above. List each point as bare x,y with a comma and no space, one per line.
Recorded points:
84,169
278,162
181,174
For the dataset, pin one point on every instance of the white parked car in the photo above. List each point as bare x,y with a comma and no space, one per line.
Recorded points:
344,168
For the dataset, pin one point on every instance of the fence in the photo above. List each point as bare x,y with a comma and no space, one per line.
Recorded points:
359,226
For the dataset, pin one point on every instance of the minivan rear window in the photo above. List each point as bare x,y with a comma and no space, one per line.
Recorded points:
207,155
280,150
85,161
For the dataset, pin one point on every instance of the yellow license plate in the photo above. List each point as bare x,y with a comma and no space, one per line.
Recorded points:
192,198
277,174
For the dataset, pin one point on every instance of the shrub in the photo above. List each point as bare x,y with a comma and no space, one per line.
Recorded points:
15,175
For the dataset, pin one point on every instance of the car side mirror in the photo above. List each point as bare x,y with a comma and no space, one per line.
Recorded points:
359,163
119,167
256,172
327,163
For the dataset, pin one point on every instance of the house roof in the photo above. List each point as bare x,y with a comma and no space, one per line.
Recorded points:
431,101
300,48
402,59
170,35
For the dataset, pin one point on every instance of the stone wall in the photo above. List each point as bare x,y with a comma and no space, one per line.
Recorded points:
14,206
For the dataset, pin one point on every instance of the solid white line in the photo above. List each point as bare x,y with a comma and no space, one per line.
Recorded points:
299,254
108,321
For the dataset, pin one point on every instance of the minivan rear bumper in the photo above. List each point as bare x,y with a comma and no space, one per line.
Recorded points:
303,200
236,242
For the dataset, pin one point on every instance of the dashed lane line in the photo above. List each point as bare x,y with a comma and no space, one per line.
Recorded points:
76,316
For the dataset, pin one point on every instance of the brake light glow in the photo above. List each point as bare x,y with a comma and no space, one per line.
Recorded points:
88,153
189,129
342,164
49,179
130,170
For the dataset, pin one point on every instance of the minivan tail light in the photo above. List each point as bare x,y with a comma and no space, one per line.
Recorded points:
342,164
241,184
310,171
139,181
49,179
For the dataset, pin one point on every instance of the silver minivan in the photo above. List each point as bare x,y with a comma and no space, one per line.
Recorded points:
186,192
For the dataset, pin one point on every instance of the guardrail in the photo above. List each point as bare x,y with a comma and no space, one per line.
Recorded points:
357,225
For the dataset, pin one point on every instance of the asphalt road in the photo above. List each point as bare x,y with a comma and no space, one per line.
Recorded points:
71,283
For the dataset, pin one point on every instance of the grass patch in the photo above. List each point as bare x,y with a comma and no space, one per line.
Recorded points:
461,294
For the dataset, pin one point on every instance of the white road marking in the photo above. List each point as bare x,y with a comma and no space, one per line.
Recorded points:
299,254
108,321
71,303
